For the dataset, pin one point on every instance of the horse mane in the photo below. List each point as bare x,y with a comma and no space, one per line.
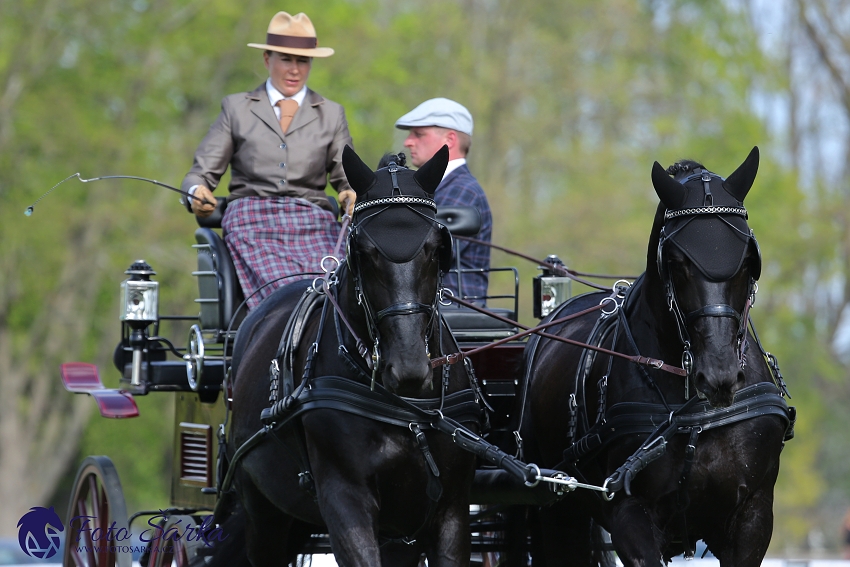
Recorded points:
684,166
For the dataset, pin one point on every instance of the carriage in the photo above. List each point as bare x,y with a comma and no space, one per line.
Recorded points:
498,360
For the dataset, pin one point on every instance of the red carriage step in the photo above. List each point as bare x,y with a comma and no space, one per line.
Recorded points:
83,378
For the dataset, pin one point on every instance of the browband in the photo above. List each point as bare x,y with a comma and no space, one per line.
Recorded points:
397,200
740,211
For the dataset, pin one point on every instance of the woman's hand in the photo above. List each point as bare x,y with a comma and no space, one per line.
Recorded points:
346,201
200,208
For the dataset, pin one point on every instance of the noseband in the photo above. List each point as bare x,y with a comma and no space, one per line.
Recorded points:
711,310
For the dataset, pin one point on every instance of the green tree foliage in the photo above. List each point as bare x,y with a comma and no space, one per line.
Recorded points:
573,101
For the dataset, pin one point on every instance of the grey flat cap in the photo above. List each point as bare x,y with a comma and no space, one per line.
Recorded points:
440,112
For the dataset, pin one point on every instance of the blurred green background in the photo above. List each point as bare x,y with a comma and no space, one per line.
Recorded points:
573,101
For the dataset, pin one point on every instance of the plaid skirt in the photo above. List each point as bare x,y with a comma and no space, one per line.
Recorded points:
276,241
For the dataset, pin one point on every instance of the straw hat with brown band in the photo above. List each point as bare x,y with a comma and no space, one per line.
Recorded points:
293,34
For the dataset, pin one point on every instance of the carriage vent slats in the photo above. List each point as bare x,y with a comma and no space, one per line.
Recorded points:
196,456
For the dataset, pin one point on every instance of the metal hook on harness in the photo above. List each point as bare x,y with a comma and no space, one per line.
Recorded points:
325,269
441,294
620,287
536,470
606,494
376,362
614,307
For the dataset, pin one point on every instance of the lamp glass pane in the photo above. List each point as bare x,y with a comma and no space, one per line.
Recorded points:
139,300
553,292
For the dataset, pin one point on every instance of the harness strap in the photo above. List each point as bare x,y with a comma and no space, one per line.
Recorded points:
406,308
627,332
349,361
682,498
716,310
637,418
343,394
281,372
330,392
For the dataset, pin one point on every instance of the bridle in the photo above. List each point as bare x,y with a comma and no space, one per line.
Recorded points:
373,318
683,320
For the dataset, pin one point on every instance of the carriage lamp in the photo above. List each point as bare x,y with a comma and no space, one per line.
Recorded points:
139,295
139,308
550,290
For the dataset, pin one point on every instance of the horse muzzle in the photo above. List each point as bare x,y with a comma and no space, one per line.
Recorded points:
719,388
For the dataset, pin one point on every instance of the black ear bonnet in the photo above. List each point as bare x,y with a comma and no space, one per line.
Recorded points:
706,218
395,206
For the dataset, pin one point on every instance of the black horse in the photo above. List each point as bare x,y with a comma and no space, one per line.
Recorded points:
340,450
712,433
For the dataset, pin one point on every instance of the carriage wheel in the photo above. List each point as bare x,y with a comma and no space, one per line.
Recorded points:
178,552
97,539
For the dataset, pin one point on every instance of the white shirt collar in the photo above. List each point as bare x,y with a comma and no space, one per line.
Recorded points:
275,95
453,165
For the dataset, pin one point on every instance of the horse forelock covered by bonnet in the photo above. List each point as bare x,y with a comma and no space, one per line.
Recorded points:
398,230
715,242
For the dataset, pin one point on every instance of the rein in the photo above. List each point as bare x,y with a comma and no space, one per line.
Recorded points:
557,269
456,357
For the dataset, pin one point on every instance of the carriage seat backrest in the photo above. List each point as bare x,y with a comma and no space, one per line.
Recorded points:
220,292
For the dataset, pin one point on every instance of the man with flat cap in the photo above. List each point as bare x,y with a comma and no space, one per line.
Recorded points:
432,124
283,143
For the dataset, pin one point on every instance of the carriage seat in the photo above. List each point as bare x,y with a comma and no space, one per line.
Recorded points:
218,286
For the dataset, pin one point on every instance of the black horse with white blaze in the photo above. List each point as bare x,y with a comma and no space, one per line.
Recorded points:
344,444
689,455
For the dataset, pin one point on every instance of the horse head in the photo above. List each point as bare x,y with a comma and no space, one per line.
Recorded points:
396,252
708,261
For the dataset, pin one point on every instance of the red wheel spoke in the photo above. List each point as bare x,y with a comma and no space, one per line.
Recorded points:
99,503
76,557
91,481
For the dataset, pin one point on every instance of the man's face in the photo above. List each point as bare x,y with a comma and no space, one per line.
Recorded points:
288,72
423,142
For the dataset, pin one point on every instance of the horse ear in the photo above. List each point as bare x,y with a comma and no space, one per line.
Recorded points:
739,183
431,173
360,177
668,189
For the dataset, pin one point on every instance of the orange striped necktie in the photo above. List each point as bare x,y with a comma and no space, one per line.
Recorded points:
288,108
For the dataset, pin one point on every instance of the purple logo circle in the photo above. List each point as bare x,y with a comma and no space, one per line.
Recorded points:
39,532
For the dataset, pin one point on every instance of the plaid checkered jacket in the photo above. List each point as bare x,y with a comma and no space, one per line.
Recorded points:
460,188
